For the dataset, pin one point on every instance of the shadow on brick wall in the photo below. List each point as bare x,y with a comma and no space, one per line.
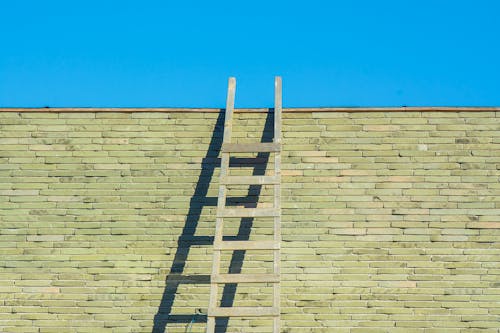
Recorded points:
198,201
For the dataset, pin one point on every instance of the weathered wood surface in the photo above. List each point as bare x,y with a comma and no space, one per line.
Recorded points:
247,245
247,212
244,312
250,180
245,278
267,147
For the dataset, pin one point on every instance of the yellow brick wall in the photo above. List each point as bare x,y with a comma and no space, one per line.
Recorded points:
390,221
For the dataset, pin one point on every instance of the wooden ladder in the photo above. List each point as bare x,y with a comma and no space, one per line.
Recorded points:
214,310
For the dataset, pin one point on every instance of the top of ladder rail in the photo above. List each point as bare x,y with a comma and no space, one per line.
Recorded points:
277,109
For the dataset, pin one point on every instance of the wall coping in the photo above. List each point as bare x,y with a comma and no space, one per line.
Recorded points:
257,110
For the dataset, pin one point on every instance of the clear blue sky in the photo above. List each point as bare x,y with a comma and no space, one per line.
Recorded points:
180,53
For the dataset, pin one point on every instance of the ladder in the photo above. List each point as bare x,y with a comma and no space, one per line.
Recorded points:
214,310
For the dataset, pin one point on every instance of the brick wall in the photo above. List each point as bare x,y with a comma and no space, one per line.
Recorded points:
390,221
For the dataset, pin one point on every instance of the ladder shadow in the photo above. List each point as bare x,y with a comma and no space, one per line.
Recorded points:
198,201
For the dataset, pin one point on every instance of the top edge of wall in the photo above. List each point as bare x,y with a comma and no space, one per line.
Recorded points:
257,110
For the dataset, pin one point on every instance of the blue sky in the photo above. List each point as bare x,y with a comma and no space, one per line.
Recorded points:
153,53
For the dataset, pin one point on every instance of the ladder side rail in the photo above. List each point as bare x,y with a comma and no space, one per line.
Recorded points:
278,106
277,200
228,120
221,201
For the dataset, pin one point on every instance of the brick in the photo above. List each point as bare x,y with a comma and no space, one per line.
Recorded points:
45,238
19,192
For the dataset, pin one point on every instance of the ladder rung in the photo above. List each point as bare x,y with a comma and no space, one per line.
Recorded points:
266,147
245,278
250,180
247,245
244,312
248,212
